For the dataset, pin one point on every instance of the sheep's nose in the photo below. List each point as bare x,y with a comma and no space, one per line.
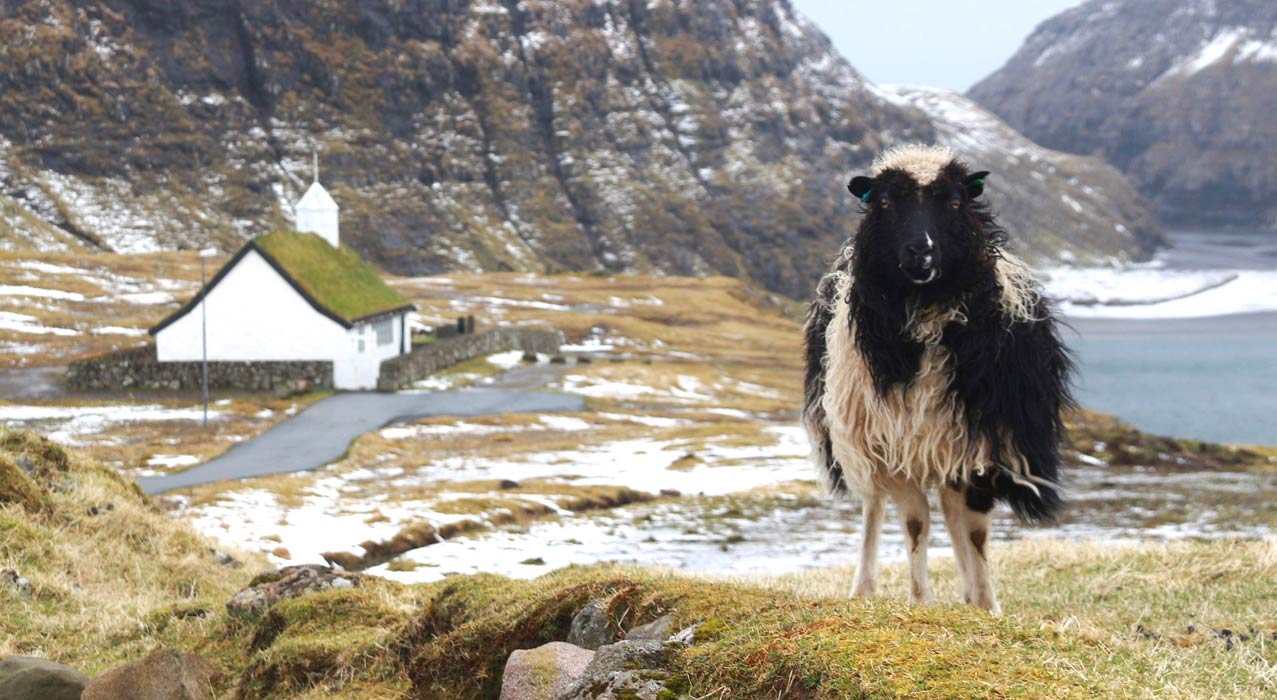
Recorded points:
919,248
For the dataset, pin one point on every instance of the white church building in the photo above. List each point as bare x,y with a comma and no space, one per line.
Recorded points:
294,296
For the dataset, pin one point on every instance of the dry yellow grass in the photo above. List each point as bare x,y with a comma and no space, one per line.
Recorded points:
102,562
93,294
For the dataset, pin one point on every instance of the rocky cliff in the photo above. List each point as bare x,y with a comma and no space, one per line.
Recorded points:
1179,95
1056,205
688,138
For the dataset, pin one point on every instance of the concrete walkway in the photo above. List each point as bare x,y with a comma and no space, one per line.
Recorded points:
323,432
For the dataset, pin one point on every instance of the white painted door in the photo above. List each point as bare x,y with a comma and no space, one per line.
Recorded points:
360,369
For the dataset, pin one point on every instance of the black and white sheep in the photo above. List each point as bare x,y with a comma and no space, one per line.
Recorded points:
933,361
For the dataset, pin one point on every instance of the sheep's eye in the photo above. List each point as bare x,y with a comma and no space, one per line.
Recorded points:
955,203
884,202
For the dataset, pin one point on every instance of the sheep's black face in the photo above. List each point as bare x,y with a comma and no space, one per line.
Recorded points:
918,233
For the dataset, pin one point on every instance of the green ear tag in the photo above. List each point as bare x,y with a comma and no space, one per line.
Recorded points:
865,197
978,182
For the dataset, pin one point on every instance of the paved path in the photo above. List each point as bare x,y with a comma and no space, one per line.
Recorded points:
323,432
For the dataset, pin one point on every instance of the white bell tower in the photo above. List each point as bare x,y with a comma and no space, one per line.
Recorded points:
317,212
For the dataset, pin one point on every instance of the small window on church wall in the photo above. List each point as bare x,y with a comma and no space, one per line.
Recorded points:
361,345
385,331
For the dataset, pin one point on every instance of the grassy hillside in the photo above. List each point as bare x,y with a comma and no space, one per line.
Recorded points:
113,578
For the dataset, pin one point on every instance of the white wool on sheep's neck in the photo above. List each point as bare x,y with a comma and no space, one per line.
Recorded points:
919,161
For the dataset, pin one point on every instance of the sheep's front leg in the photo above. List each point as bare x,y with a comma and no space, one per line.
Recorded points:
976,525
867,570
954,505
915,516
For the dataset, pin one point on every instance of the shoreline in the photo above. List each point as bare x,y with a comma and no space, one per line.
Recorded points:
1251,323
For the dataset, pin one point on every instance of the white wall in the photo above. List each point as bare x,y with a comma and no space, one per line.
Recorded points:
319,221
254,314
360,366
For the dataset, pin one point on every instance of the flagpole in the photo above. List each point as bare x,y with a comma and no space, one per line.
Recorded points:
204,255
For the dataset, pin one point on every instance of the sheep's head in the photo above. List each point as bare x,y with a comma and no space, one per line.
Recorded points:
922,222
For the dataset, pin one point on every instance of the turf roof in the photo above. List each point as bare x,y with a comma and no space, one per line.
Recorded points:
337,279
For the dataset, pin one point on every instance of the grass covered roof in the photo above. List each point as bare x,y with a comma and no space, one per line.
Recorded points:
336,279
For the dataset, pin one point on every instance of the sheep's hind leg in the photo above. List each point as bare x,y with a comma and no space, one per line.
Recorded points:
867,570
954,505
976,525
915,516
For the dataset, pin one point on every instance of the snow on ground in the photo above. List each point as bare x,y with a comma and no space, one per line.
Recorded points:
506,360
72,424
340,511
119,330
1149,292
20,290
686,389
23,323
172,461
326,520
642,463
591,344
602,388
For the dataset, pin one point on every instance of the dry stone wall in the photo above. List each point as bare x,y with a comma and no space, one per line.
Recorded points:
138,369
425,360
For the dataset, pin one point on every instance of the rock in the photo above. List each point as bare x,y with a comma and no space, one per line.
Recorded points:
687,635
225,559
164,675
507,484
1108,78
293,388
543,673
671,493
656,631
27,678
289,582
625,670
590,627
10,579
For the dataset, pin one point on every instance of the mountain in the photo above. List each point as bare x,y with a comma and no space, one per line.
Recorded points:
1179,95
1055,204
690,138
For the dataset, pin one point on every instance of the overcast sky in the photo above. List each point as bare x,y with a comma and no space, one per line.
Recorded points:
941,43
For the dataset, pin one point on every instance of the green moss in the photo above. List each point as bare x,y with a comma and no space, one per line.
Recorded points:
17,487
337,278
44,456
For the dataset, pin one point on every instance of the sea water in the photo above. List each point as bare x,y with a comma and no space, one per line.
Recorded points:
1207,377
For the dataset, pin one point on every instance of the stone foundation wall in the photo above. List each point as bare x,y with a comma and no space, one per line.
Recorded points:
138,369
426,360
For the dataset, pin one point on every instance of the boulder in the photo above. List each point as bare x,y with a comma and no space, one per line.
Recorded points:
687,635
625,670
225,559
19,584
27,678
590,627
164,675
269,588
543,673
656,631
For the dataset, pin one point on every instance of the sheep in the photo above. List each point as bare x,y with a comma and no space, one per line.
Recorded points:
933,361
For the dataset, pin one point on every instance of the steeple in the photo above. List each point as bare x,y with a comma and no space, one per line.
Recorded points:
317,212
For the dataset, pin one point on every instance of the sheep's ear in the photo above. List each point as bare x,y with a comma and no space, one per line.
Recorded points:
862,187
975,183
